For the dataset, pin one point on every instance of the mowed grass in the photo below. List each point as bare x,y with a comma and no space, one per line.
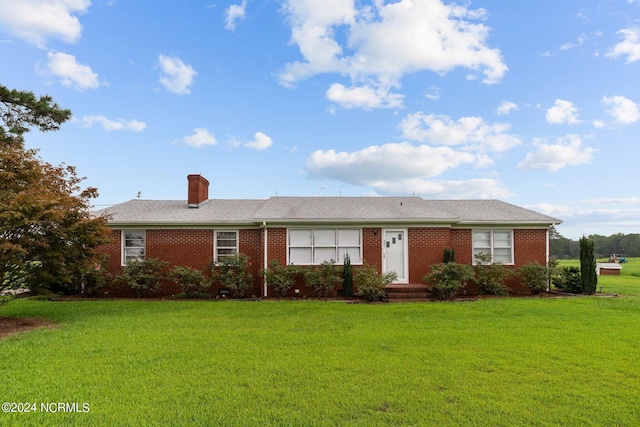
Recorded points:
628,283
507,361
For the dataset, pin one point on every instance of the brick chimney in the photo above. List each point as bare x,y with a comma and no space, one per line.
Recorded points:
198,190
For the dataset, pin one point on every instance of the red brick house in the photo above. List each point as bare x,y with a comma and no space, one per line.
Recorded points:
402,234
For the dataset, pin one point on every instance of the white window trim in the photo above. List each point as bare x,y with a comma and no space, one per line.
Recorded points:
123,258
491,243
337,262
215,241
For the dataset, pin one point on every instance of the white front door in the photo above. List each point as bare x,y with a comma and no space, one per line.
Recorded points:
394,253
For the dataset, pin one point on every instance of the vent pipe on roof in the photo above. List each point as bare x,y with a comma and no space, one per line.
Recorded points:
198,190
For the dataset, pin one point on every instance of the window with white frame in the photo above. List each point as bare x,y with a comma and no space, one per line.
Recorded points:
497,243
133,245
226,244
312,246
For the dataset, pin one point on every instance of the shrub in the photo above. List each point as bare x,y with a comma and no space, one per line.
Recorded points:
97,278
281,278
490,277
449,255
347,276
534,276
446,279
588,266
191,280
323,278
569,280
231,273
370,284
143,276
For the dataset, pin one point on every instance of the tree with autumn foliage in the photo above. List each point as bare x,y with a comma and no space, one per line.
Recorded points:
47,231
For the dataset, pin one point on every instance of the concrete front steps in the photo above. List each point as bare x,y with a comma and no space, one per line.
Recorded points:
407,293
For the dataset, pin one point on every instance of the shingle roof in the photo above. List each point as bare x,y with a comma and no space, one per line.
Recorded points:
322,209
350,209
490,211
216,211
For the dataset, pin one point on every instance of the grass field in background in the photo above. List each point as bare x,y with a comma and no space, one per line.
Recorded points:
628,283
503,361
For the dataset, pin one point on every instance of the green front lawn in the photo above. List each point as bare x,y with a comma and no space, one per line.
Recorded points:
517,361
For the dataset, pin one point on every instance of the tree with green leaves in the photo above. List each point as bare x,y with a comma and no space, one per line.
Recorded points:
47,231
20,109
588,266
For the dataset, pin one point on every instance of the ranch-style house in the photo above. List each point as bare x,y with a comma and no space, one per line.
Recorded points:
402,234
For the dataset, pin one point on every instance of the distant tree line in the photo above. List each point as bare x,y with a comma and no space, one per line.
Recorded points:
626,244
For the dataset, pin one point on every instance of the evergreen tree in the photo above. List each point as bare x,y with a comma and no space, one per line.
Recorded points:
347,276
21,109
588,266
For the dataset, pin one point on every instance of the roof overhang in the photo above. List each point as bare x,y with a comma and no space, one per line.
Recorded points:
169,224
537,224
356,221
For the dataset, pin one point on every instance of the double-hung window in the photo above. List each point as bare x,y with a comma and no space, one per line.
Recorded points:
226,244
133,245
496,243
312,246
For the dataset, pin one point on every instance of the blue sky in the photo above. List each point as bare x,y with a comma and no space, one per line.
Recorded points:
536,103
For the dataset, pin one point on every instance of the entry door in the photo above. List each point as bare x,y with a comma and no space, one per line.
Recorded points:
394,254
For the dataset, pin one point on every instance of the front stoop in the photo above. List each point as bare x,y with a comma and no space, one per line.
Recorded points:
407,293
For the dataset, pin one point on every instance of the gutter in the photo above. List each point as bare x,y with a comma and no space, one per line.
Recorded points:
362,221
265,265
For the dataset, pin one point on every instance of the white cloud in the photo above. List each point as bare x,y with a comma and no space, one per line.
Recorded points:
234,12
469,189
623,110
177,77
567,151
591,216
365,97
260,142
416,35
390,162
506,107
434,94
402,168
38,20
384,41
72,74
572,45
472,133
598,124
200,138
629,47
563,112
111,125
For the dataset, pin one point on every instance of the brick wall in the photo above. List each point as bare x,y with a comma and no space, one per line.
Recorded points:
112,250
372,247
251,244
189,248
426,248
530,245
277,245
194,248
462,242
